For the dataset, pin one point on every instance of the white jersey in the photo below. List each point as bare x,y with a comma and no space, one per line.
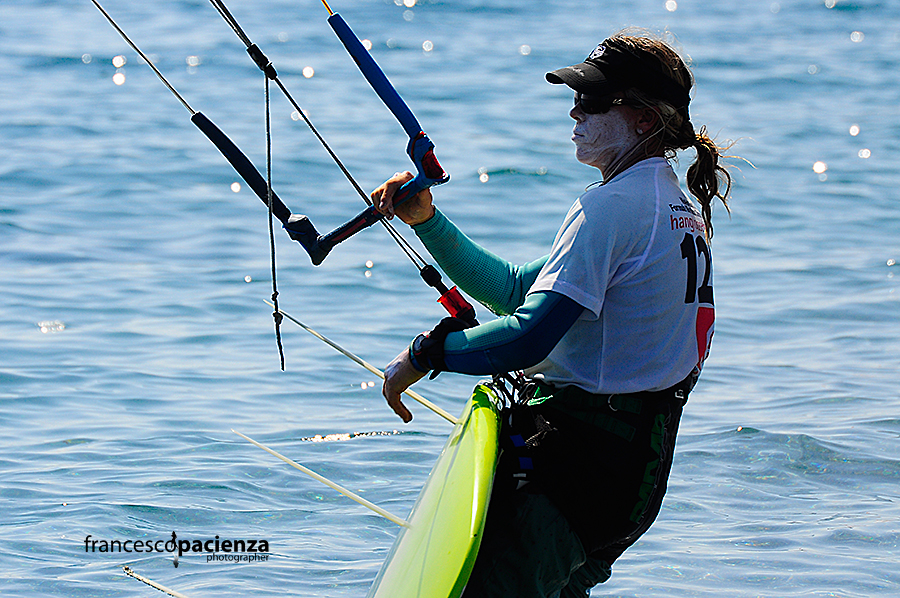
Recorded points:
634,254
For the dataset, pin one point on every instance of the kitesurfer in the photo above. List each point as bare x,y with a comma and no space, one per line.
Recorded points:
612,326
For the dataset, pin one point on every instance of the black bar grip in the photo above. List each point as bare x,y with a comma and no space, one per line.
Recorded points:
242,165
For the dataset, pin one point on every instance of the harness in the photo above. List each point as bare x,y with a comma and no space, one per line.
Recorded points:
602,459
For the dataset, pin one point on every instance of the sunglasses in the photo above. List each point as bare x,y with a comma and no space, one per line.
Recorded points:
598,104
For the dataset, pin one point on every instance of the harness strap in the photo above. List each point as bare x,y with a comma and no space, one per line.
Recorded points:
578,399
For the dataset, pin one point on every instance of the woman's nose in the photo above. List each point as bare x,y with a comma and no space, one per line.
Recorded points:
576,112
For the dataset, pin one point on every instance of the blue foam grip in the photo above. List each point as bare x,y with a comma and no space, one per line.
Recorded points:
375,76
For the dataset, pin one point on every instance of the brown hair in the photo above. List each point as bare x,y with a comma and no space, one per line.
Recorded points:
706,177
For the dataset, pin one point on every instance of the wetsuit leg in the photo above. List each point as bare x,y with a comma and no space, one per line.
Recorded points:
528,551
651,454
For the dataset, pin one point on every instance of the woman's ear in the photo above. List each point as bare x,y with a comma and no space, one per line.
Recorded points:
646,121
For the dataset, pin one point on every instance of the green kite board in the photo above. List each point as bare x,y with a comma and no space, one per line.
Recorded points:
434,556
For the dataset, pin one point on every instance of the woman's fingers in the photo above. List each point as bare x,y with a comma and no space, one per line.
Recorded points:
383,197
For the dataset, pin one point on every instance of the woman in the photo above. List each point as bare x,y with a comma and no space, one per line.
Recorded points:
613,326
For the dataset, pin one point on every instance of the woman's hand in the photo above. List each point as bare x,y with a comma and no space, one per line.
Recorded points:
398,376
414,210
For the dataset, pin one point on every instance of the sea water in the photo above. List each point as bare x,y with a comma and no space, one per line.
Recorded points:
134,334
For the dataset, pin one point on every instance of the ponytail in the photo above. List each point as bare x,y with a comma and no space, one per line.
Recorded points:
706,177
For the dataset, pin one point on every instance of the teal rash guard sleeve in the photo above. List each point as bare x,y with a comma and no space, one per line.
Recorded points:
513,342
492,281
